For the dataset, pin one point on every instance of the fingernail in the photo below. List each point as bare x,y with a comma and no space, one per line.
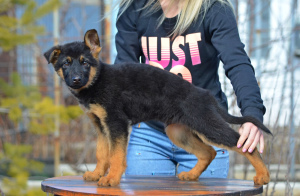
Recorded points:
250,150
244,150
261,152
239,145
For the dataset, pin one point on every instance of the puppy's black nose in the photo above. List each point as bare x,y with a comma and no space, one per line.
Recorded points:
76,80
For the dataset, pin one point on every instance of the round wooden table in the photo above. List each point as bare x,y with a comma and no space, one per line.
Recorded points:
150,185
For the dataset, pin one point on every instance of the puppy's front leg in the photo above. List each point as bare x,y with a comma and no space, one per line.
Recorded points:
102,150
115,129
117,162
102,155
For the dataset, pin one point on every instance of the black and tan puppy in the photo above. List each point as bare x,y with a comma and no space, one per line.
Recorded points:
117,96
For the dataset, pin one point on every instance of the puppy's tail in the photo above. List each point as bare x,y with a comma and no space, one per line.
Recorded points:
241,120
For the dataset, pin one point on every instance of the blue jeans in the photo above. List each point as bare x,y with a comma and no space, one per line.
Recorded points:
150,152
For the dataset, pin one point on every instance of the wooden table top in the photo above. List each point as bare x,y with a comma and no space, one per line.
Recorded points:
150,185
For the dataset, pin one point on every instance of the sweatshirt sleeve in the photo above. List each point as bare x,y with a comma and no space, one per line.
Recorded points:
221,26
127,41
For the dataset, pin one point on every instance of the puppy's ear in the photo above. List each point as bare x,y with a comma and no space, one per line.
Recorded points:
52,54
91,39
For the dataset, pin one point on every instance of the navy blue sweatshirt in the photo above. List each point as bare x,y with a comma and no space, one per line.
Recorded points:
195,55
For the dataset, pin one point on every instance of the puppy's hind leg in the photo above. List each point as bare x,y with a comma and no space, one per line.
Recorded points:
262,173
183,137
227,138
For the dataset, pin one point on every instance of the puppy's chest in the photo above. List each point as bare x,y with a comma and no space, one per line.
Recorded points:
95,109
87,98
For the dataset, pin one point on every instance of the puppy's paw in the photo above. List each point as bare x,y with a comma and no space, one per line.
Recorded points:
261,179
91,176
108,181
188,176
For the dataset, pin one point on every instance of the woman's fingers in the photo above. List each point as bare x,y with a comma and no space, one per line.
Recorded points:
250,137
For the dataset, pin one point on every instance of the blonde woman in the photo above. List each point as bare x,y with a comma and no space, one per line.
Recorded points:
188,38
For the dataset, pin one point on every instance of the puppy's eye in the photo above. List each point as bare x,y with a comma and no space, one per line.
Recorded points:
86,64
66,64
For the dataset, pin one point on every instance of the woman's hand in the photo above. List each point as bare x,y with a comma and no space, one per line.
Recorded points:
253,135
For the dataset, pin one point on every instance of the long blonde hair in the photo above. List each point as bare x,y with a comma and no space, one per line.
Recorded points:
189,13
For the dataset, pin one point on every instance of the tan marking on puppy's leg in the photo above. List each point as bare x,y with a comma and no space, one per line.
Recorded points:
102,155
206,141
117,150
183,137
262,174
101,113
117,164
98,113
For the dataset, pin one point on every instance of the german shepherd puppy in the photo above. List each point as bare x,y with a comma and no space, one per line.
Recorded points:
117,96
